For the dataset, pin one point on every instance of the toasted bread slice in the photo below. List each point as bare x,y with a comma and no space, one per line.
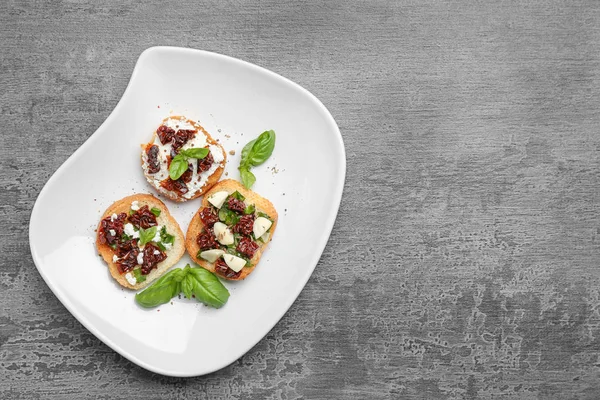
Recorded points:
197,182
196,226
174,252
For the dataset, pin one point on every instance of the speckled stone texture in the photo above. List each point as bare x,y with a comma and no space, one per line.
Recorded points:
464,262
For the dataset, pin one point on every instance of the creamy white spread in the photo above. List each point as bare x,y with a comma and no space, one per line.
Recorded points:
198,141
140,258
178,123
135,206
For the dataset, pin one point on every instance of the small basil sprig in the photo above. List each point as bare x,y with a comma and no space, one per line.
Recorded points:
146,235
254,153
203,284
179,163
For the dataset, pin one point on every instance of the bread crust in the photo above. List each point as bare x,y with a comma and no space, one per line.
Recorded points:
212,179
196,225
165,218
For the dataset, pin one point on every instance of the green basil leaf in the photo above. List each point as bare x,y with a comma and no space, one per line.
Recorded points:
254,153
249,209
262,148
125,237
227,216
207,288
146,235
113,246
246,153
248,177
155,211
139,277
194,152
161,291
161,246
179,165
187,285
165,237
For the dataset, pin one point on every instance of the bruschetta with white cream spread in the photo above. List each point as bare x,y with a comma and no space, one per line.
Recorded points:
199,160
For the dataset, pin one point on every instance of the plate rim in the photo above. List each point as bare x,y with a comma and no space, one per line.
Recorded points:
329,223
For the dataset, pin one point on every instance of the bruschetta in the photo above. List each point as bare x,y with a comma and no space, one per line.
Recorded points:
231,230
177,135
139,240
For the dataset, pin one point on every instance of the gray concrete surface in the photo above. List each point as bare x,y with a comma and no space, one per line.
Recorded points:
464,262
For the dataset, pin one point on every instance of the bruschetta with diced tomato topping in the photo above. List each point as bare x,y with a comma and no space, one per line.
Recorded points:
231,230
182,161
139,240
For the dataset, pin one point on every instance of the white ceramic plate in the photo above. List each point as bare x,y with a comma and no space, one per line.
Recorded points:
235,101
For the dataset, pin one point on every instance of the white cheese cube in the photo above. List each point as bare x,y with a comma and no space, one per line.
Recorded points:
217,199
212,255
223,233
261,225
234,262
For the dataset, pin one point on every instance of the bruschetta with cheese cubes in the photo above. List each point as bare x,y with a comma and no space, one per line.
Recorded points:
139,240
231,230
182,161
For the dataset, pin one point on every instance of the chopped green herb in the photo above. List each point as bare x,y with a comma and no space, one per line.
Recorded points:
155,211
161,246
166,237
139,277
237,195
227,216
250,209
262,214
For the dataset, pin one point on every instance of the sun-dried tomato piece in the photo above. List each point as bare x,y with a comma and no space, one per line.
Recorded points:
128,256
245,225
153,162
221,268
206,240
143,218
107,225
178,186
236,205
181,138
205,163
187,175
165,134
125,247
152,256
247,247
208,217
